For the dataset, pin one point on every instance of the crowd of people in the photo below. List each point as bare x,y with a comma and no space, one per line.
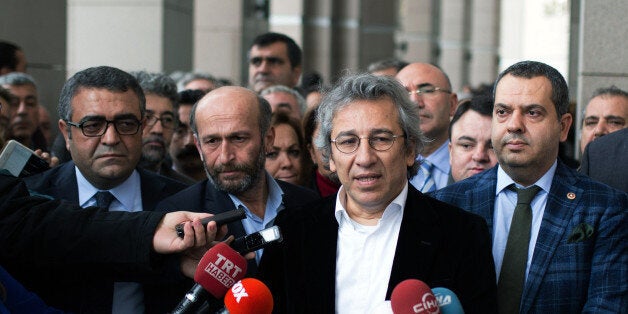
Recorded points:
380,177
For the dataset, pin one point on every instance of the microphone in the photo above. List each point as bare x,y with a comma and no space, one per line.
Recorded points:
413,296
249,296
447,301
219,269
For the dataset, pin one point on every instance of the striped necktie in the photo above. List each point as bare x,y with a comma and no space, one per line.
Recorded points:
428,184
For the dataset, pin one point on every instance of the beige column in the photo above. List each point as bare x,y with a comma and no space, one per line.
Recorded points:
153,35
484,41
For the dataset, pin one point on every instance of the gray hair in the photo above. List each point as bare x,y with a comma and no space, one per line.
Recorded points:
366,86
102,77
189,77
609,91
158,84
17,79
285,89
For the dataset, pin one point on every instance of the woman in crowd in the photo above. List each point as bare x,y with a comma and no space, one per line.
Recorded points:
288,159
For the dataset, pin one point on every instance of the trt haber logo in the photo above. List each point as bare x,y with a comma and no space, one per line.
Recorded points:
223,270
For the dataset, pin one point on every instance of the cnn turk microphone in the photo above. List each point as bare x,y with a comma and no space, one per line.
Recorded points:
413,296
447,301
219,269
248,296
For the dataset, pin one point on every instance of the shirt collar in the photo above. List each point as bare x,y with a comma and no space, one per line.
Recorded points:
397,204
274,203
545,182
124,193
439,158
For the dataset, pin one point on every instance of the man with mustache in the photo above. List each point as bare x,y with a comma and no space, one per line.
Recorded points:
430,89
559,237
185,157
274,59
24,112
470,148
232,133
102,114
161,103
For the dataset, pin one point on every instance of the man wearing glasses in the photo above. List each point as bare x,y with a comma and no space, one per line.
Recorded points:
345,254
430,89
162,101
102,114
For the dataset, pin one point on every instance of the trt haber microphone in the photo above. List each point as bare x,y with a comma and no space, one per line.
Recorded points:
219,269
413,296
249,296
447,301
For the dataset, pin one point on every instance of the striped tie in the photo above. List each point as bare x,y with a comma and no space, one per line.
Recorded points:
428,184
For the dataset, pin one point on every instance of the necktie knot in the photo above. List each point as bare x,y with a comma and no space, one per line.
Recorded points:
525,196
104,199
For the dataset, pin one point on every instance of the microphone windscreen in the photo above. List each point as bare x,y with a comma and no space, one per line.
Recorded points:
219,269
249,296
413,296
448,301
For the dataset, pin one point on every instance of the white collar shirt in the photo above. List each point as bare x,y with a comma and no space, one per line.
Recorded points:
364,256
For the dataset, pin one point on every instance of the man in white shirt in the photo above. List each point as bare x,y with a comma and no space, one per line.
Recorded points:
346,254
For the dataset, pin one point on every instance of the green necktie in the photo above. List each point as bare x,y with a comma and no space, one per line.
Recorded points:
513,273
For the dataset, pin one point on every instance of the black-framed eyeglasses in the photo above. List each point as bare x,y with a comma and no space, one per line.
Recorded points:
428,90
380,142
167,120
98,127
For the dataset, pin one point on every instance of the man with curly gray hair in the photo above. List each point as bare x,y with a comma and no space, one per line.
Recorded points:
351,250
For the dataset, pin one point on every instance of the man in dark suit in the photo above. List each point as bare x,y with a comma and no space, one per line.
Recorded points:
102,113
574,255
346,253
232,133
603,160
38,232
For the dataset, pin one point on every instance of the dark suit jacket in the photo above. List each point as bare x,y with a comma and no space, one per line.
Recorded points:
605,160
69,243
205,198
580,261
438,244
71,290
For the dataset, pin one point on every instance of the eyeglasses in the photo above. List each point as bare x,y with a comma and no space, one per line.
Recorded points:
428,90
167,121
98,127
380,142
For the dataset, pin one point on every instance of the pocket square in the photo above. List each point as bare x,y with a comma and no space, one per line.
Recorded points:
581,233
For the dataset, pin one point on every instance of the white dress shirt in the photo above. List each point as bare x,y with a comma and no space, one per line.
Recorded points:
505,204
365,255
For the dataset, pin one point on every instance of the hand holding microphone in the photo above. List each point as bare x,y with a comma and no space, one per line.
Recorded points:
219,269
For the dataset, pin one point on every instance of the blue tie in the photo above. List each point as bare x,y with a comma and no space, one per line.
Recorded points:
104,199
428,184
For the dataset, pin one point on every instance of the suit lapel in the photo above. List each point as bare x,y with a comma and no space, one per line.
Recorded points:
482,197
417,242
558,211
63,184
151,189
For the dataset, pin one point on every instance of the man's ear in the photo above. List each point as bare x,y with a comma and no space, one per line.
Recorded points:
269,139
64,128
565,124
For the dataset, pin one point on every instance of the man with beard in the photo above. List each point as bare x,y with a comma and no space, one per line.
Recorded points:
161,103
102,113
185,157
232,133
